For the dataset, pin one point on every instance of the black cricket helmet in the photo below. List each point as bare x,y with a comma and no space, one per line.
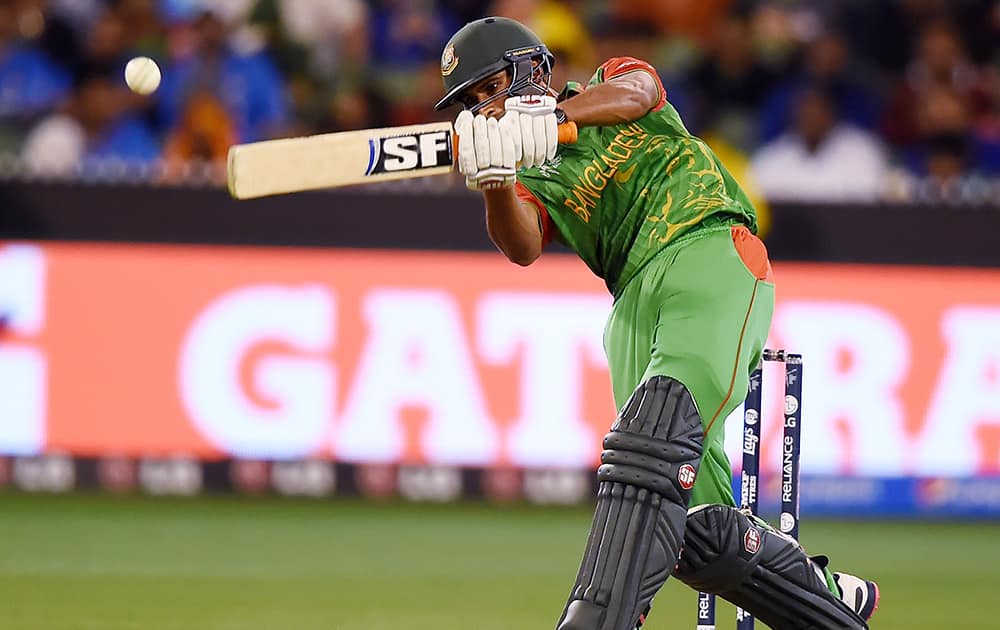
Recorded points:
488,45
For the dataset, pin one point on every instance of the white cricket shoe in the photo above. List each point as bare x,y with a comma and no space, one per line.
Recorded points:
861,595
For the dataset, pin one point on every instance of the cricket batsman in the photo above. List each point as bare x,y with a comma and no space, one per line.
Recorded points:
651,210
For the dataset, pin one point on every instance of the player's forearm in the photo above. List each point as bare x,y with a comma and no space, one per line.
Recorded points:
618,101
513,226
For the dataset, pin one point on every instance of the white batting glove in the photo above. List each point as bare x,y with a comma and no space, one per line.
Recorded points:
486,153
536,135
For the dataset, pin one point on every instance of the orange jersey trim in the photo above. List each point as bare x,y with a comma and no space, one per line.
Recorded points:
619,66
753,252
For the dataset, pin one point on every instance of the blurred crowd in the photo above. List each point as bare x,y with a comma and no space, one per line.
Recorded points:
811,99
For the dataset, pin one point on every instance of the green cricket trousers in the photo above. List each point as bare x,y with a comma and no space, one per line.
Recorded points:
698,312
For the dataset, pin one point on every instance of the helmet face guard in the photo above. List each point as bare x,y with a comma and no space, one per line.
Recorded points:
524,70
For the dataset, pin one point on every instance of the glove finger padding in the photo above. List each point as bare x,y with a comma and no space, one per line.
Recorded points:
527,142
482,141
510,125
551,136
496,146
541,139
466,144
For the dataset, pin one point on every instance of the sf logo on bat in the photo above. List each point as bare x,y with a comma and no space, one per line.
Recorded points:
392,154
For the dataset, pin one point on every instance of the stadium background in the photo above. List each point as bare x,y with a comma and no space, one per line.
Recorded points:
342,409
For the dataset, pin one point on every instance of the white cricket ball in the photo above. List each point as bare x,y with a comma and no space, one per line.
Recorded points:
142,75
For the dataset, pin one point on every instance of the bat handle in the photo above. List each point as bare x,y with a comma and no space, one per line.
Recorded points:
568,134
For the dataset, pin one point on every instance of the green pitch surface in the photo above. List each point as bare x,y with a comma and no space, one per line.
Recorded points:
228,563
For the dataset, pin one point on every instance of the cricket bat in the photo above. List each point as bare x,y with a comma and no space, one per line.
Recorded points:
276,167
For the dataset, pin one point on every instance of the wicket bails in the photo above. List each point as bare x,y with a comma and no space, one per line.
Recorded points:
750,477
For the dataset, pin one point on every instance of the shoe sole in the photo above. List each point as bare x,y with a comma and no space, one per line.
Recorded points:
878,596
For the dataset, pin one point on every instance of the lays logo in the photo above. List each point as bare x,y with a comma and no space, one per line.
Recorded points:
449,60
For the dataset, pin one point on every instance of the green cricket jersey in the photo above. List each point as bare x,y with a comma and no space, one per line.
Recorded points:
623,193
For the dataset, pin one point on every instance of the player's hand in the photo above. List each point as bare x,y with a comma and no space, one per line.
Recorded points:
486,154
536,135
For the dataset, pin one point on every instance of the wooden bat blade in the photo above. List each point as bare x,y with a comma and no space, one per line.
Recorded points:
275,167
287,165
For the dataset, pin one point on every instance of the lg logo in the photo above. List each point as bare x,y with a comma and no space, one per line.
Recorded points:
409,153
